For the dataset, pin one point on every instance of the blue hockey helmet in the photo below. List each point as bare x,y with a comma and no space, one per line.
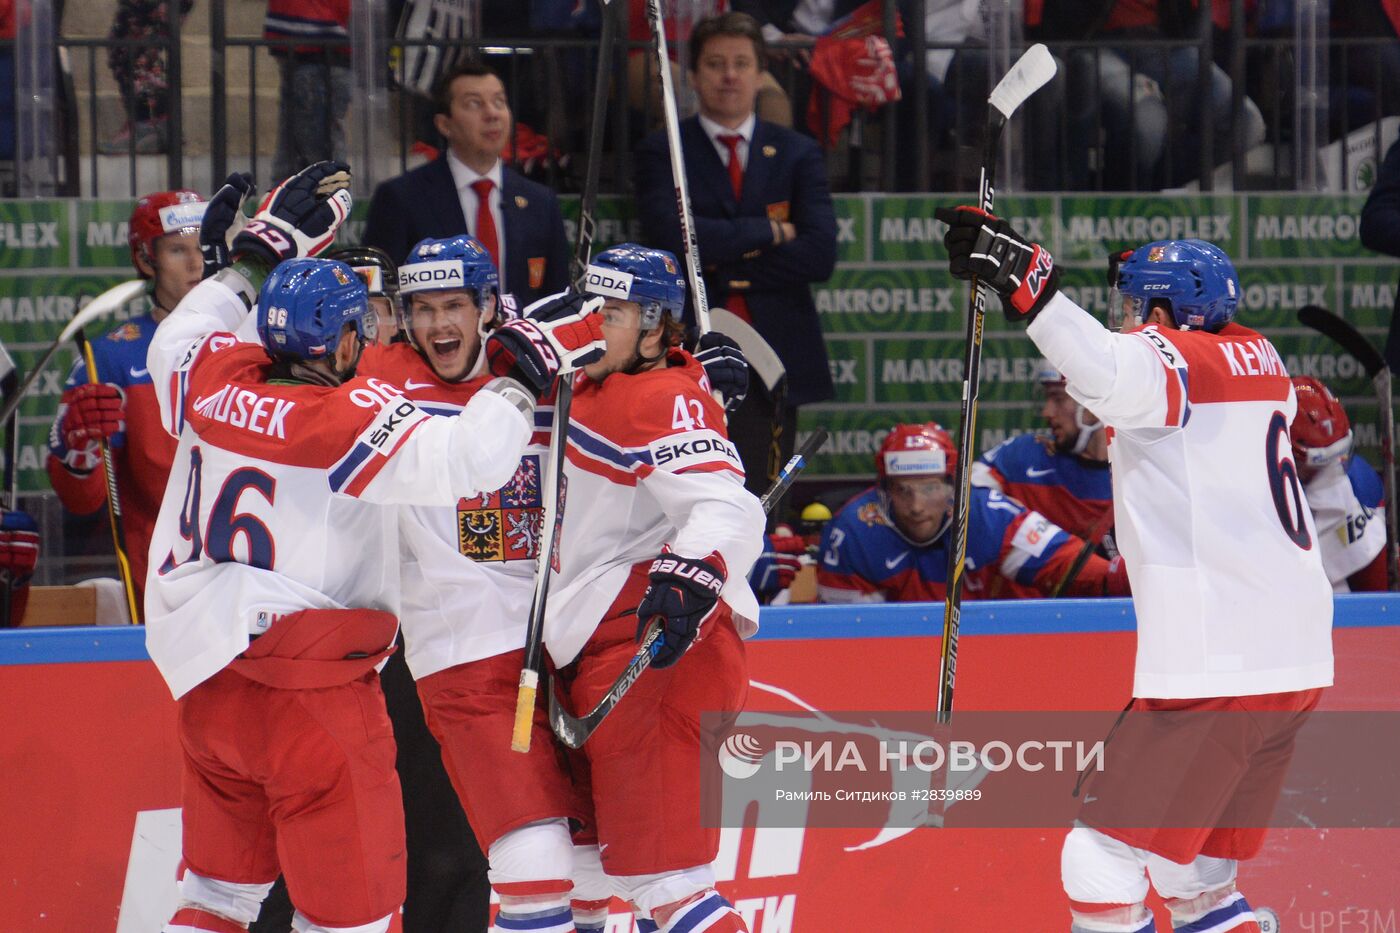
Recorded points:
451,262
1195,278
650,277
306,303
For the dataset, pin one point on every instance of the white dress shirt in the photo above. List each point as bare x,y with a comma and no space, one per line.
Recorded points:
462,177
715,131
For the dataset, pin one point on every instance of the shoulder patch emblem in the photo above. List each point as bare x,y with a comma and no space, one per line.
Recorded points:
126,333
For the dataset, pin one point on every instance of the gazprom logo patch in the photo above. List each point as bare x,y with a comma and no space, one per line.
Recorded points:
182,216
609,283
422,276
914,462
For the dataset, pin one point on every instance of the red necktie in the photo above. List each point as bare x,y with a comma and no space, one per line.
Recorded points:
737,303
485,223
736,166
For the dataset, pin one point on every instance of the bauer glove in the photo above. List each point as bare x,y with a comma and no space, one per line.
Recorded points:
683,592
299,217
987,247
725,367
556,336
224,220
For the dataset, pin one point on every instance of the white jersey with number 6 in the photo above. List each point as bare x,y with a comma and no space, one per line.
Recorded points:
1222,554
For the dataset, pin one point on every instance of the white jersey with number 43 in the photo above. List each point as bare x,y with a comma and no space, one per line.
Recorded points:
1222,554
275,502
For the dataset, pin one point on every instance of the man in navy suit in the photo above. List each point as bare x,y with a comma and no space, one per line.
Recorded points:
470,190
765,225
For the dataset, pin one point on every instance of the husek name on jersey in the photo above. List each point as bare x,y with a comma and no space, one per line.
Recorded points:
244,408
679,451
440,274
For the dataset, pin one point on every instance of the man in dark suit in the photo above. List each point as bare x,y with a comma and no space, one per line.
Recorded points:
470,190
765,225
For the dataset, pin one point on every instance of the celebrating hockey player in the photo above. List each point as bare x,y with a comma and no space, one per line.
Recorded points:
1344,491
658,530
889,544
1063,475
1234,610
119,405
275,581
466,595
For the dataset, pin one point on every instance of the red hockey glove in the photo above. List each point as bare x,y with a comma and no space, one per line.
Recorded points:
778,565
300,216
682,593
557,335
93,413
981,245
19,546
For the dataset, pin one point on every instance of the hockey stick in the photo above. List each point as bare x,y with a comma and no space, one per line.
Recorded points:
691,245
1030,72
1351,340
9,495
114,501
113,299
573,731
559,429
1091,540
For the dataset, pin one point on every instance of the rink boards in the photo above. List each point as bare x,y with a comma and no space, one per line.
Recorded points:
90,762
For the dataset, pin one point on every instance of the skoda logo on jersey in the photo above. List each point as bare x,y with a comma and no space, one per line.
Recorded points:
609,283
425,276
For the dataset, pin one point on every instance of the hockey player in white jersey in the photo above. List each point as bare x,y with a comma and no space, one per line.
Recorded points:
274,582
659,529
1234,610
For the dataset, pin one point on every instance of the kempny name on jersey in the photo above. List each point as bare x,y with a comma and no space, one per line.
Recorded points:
1252,358
243,408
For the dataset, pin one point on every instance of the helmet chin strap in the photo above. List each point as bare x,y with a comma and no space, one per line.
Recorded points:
887,511
1086,430
639,361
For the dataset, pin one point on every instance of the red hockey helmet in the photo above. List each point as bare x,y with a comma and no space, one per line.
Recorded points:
161,214
1321,431
916,450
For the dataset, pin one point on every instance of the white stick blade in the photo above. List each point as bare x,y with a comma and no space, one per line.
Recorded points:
1030,73
114,298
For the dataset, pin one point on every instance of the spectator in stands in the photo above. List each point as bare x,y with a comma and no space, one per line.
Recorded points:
311,42
468,189
890,543
139,70
644,86
1152,107
1345,494
19,552
765,225
118,405
1380,232
1063,475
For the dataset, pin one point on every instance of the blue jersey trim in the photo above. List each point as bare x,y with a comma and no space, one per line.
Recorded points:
779,623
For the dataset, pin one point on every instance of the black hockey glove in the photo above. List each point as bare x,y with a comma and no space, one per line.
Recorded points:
223,220
725,366
981,245
682,593
299,217
557,335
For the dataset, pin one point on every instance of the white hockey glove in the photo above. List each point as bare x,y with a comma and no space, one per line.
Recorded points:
300,216
558,335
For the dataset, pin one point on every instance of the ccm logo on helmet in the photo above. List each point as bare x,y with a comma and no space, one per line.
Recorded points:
687,571
420,275
608,282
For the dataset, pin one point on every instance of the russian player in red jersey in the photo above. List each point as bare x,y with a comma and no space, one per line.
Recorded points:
1233,607
1345,494
658,530
119,405
889,544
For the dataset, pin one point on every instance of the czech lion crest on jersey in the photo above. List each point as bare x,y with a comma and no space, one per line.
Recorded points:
505,524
